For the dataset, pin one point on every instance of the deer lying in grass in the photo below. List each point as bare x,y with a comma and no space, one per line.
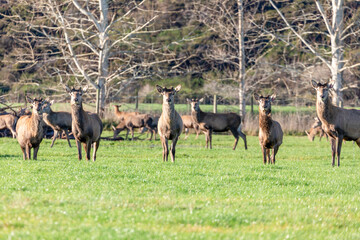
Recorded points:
58,121
29,129
270,132
9,120
189,123
216,122
316,129
170,124
86,127
134,121
338,123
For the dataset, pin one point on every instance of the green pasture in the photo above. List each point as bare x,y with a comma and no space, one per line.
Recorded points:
129,193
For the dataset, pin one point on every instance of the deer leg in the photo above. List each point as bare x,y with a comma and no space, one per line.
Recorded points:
35,152
207,138
173,145
197,133
132,133
268,155
56,133
243,136
13,132
333,150
162,139
236,136
186,131
96,146
127,133
24,153
264,154
276,149
338,149
67,137
151,134
210,137
78,145
87,148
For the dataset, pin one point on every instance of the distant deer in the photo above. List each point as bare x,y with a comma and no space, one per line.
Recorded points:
58,121
170,124
86,127
316,129
189,123
29,129
270,132
134,121
9,120
121,115
216,122
338,123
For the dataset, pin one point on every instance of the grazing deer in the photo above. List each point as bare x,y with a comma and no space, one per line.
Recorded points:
29,129
338,123
170,124
86,127
189,123
9,120
216,122
316,129
270,132
58,121
134,121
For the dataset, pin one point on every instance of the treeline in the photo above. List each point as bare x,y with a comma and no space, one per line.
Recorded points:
194,43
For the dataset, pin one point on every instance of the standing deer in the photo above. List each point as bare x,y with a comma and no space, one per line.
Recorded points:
58,121
338,123
86,127
134,121
9,120
216,122
270,132
316,129
29,129
189,123
170,124
121,115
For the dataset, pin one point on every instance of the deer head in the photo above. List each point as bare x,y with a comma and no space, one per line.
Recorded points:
322,90
264,102
76,95
36,104
168,93
47,106
195,103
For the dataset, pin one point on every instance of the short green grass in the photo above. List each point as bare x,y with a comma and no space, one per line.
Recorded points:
129,193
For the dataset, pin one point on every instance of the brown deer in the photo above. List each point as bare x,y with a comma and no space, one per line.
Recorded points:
86,127
216,122
170,124
338,123
190,124
58,121
270,132
9,120
29,129
316,129
121,115
134,121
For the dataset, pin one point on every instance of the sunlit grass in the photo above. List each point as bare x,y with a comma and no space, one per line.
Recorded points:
129,193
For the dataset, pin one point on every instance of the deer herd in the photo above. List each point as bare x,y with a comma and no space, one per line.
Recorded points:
337,124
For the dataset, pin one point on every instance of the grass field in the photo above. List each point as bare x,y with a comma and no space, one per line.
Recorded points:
129,193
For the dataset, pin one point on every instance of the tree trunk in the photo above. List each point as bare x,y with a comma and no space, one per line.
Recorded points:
241,77
337,60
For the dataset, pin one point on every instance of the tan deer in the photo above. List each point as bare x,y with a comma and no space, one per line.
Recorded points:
121,115
338,123
216,122
270,132
134,121
29,129
86,127
170,124
58,121
316,129
9,120
190,124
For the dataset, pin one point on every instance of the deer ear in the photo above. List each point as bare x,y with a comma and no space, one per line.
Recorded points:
314,84
256,96
68,90
178,87
51,102
201,99
29,100
272,97
159,89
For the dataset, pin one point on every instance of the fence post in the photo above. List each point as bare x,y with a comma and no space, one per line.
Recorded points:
137,100
215,104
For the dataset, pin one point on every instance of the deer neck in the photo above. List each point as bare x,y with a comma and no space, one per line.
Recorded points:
168,111
78,114
197,115
36,121
265,121
324,110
